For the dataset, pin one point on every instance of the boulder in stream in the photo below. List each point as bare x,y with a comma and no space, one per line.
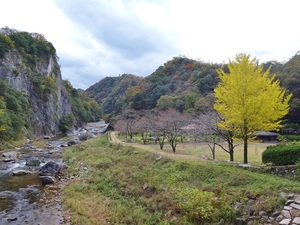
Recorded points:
32,161
21,172
12,218
47,180
9,156
50,169
73,142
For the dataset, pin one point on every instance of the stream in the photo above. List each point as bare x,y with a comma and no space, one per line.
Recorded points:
23,198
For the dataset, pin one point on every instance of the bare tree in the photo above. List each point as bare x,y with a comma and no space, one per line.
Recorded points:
158,130
126,122
119,126
226,135
200,129
212,146
172,122
145,125
203,128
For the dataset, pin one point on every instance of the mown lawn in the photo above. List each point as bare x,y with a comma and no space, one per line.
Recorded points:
115,184
255,149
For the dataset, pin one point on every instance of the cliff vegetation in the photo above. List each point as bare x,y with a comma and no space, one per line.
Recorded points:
34,100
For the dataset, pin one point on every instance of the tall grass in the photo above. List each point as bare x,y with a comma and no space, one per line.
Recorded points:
124,185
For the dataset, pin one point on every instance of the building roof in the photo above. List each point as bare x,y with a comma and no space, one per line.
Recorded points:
264,133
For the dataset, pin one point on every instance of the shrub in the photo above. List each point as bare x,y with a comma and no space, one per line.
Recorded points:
6,45
66,122
196,204
14,113
283,154
291,137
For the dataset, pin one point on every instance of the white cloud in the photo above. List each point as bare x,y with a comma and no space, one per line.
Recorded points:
98,38
217,30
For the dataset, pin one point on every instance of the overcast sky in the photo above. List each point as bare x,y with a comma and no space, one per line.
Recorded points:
99,38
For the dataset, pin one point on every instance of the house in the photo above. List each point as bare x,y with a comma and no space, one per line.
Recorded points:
266,136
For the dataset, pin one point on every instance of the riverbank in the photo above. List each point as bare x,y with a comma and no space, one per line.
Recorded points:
128,185
23,198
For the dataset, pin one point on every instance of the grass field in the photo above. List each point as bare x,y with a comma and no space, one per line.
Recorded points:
199,150
254,151
122,184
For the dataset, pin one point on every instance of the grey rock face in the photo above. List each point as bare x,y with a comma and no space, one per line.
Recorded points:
45,112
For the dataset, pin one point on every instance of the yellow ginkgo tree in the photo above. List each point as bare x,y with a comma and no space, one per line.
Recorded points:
249,99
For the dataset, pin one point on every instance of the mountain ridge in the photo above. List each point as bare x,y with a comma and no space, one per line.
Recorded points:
189,85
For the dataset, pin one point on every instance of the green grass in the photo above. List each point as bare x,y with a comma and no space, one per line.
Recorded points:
255,150
126,185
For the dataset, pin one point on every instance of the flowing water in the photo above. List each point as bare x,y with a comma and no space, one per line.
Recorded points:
23,198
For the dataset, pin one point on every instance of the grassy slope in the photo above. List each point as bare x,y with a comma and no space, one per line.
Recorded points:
126,185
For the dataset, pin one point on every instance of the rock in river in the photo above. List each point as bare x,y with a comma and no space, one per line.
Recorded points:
47,180
9,156
32,161
50,169
21,172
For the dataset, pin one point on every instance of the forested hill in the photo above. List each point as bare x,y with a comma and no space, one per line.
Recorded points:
34,100
112,92
289,75
184,84
181,83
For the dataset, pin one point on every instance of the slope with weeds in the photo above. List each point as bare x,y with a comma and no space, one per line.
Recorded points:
123,185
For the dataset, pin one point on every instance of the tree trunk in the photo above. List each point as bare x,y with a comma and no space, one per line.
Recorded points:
231,151
231,155
245,150
213,150
230,148
161,143
173,144
173,148
145,136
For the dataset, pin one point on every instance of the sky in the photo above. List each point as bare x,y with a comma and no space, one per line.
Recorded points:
99,38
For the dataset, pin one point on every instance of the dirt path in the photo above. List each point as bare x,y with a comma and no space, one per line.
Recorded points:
161,153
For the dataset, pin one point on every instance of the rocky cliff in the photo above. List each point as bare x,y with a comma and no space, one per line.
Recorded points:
38,77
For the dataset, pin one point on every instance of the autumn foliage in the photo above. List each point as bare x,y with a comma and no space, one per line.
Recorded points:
249,99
